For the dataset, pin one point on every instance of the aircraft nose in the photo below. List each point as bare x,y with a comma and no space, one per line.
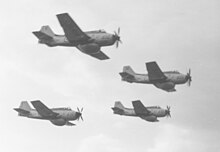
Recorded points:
116,37
167,111
78,114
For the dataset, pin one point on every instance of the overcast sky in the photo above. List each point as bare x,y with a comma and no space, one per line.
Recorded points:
178,35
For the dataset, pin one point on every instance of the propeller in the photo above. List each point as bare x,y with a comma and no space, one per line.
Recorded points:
168,111
188,77
116,37
79,112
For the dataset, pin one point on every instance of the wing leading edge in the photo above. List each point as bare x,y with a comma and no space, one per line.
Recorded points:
99,55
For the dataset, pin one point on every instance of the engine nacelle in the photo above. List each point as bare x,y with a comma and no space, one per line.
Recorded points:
58,122
90,48
165,85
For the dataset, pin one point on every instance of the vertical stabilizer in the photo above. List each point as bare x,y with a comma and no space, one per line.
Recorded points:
118,108
128,70
47,30
25,106
119,105
24,109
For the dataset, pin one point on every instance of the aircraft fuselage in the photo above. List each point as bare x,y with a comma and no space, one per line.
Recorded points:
63,114
174,77
155,112
98,38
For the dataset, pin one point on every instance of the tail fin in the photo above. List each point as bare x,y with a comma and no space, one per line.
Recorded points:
118,108
119,105
128,70
25,106
45,33
23,109
47,30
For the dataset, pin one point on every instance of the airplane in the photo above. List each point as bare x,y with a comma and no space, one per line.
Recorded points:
162,80
57,116
147,113
89,42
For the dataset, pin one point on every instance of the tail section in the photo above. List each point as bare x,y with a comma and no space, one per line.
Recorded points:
128,74
23,109
118,108
128,69
25,106
47,30
119,105
45,34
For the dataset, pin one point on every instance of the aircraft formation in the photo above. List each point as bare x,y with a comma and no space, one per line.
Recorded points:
90,43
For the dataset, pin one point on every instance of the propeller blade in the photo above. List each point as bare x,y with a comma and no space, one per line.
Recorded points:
117,37
168,111
80,113
81,118
189,83
116,44
188,77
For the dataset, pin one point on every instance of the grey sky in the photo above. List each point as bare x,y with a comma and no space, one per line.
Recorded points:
177,34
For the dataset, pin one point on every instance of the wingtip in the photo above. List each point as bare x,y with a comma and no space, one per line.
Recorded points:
16,109
135,101
61,14
35,32
35,101
151,62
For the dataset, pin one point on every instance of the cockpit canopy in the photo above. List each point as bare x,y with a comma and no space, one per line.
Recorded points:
177,72
63,108
155,107
102,31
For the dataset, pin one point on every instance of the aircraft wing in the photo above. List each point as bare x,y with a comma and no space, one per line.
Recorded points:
170,90
43,110
100,55
72,31
139,108
154,72
70,124
171,87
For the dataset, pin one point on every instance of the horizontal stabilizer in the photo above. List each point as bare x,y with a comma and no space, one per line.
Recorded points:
22,111
117,110
42,36
126,75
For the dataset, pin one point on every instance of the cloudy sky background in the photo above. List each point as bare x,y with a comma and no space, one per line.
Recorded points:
178,35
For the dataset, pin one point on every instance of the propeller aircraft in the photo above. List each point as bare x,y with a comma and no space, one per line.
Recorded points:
147,113
57,116
89,42
162,80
